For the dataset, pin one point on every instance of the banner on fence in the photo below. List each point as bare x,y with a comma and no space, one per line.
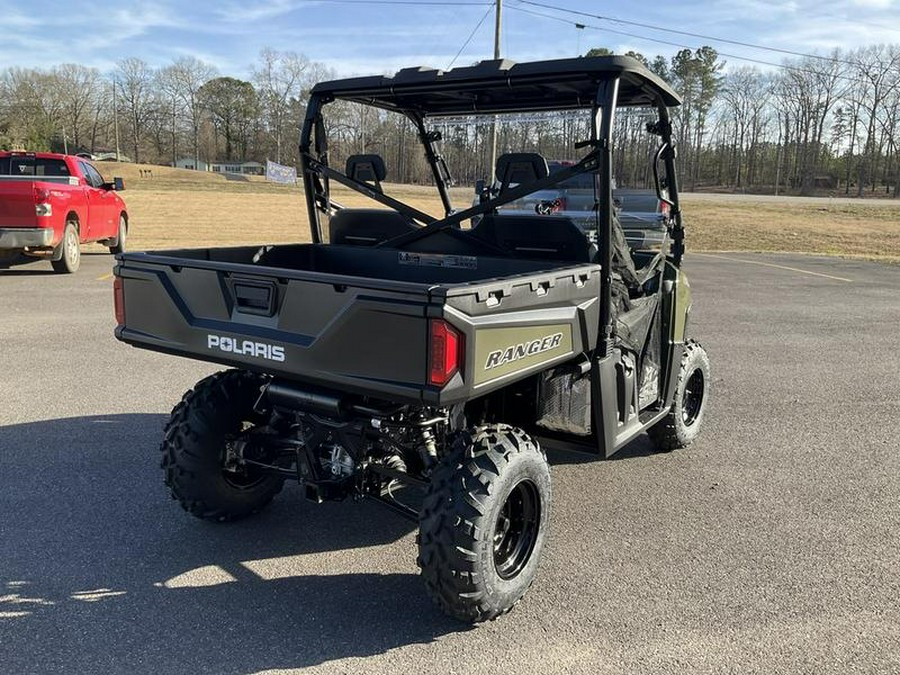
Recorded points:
278,173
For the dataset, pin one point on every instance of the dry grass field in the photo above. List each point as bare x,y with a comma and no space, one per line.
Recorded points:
794,225
180,208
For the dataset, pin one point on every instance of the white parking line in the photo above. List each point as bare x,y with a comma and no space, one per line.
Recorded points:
780,267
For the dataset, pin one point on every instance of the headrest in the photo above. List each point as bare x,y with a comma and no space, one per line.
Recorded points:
521,167
366,168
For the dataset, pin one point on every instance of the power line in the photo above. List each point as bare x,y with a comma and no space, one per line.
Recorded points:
419,3
682,32
677,44
471,35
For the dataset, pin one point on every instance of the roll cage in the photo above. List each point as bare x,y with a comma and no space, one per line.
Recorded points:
600,84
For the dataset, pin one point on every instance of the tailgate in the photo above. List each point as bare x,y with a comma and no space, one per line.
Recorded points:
368,338
17,203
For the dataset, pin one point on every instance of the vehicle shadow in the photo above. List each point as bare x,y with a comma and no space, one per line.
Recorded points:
559,453
101,572
23,265
25,272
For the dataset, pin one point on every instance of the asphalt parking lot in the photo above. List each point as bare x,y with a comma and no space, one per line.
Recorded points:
771,545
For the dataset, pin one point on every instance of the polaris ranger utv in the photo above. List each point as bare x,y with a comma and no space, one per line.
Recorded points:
417,361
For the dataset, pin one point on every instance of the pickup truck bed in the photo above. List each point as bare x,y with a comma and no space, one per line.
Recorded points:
359,319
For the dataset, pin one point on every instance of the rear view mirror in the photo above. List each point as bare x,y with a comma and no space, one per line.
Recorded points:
479,186
118,184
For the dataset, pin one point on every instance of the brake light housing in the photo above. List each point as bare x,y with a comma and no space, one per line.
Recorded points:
119,300
444,348
42,206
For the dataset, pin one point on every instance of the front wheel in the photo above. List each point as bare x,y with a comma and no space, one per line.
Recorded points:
199,447
484,522
119,246
682,425
70,255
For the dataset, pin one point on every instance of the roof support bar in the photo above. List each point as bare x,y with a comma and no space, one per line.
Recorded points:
314,191
601,131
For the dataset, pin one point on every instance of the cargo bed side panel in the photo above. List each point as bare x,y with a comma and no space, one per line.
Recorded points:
516,328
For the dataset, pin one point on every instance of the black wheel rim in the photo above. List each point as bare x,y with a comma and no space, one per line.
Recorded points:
246,476
516,529
692,399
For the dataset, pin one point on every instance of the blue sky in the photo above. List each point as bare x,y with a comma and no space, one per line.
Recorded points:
359,38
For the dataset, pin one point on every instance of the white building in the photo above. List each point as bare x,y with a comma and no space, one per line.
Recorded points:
254,168
251,168
190,163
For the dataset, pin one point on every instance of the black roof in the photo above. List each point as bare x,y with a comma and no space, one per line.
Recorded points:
505,86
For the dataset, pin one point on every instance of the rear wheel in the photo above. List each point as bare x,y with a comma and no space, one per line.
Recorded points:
119,246
682,425
483,523
70,255
199,449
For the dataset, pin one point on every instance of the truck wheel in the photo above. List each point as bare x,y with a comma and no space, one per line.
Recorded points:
681,426
196,445
484,521
119,246
70,257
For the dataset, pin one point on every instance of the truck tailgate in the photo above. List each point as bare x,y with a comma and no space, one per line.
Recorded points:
17,204
324,331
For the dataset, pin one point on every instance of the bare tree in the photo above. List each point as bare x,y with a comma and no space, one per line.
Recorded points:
744,98
282,81
78,88
135,79
183,81
876,69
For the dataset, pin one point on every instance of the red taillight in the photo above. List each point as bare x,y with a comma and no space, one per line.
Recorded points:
119,300
444,351
41,195
559,205
664,208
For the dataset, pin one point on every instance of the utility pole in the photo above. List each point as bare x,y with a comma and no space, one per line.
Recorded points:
496,58
116,120
497,29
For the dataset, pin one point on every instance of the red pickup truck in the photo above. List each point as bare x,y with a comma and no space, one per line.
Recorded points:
50,204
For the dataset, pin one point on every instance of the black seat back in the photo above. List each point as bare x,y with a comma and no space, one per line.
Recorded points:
537,237
367,169
520,167
367,227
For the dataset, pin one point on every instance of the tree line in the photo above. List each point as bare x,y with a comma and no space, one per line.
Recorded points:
819,123
186,109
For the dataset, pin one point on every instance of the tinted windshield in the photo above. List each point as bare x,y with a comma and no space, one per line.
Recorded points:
32,166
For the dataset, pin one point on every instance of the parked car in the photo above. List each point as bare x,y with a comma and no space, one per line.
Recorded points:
51,204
